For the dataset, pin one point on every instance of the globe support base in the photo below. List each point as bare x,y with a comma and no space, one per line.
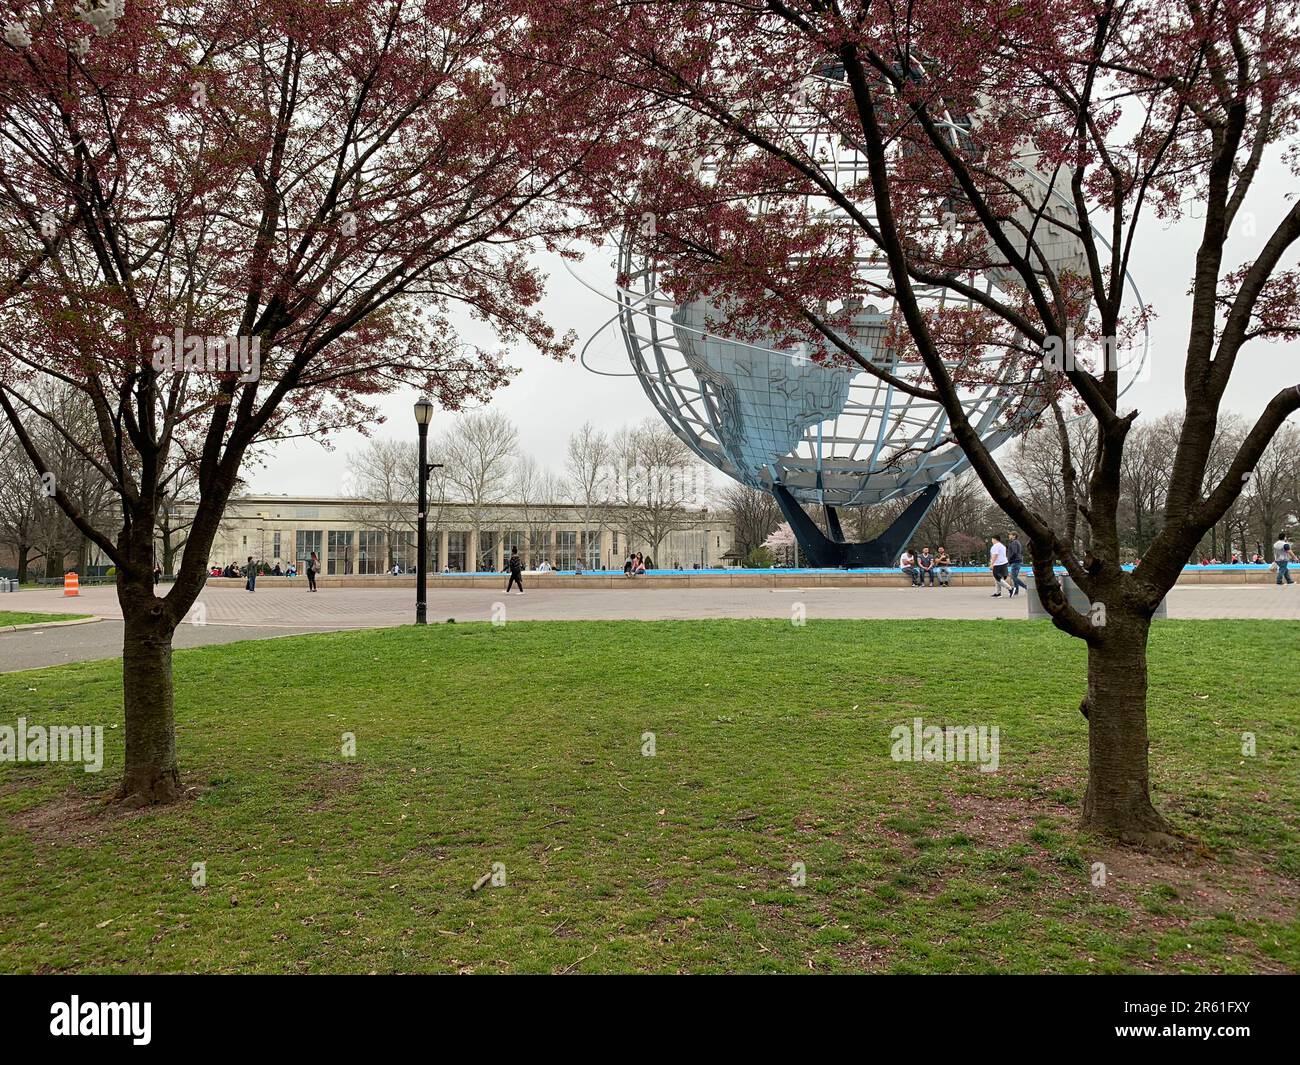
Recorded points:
832,552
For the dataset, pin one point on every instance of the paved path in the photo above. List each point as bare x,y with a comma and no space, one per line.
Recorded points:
232,614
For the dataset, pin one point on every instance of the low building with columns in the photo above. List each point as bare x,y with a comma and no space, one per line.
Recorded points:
357,536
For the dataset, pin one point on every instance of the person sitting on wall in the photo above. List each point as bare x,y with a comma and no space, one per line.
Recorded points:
907,564
577,567
941,567
629,564
925,568
277,572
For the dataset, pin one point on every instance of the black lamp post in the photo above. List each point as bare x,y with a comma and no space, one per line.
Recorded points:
423,415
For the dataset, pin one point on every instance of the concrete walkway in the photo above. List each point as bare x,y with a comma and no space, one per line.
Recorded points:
230,614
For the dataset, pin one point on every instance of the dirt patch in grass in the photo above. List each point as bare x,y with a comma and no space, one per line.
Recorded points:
331,784
1194,879
1001,822
82,819
1246,891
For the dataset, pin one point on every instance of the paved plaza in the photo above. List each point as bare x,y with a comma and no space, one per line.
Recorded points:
232,614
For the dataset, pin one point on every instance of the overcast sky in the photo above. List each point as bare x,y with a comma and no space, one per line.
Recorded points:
549,400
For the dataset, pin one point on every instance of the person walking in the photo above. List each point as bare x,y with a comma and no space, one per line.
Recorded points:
516,565
250,575
313,568
998,565
1283,556
1016,559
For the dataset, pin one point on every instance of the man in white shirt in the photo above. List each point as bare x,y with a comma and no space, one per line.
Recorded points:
908,565
998,564
1283,556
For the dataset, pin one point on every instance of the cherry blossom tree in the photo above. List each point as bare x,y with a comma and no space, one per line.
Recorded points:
227,224
957,114
781,542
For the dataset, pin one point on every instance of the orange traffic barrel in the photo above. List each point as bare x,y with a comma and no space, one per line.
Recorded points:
71,584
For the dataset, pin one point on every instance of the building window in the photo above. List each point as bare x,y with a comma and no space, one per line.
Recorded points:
512,540
456,551
370,551
537,539
401,551
340,553
275,546
305,544
487,558
566,550
591,549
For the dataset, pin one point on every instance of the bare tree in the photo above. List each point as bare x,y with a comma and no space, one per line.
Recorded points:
962,507
1144,478
537,491
1234,525
1053,466
29,511
22,504
657,471
587,473
753,513
1273,484
383,476
176,512
478,450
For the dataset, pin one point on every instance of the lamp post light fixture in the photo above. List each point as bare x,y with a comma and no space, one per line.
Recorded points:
423,415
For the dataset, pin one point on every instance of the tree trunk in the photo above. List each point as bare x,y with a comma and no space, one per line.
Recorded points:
1118,799
22,562
150,776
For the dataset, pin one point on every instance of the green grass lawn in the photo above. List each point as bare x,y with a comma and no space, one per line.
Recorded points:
522,745
23,617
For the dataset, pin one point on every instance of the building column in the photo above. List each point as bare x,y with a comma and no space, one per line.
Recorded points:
442,549
500,550
607,548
